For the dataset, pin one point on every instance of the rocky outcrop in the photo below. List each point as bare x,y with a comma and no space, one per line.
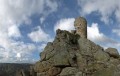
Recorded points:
71,55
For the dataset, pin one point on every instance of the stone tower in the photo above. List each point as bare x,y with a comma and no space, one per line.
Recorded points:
81,26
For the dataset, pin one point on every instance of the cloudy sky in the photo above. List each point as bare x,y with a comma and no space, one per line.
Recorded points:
27,25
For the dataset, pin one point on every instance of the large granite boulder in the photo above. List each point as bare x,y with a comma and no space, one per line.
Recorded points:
69,71
112,52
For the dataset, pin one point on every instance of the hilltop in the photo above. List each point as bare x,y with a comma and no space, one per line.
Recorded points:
72,54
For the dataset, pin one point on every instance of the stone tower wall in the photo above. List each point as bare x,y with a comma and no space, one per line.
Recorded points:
81,26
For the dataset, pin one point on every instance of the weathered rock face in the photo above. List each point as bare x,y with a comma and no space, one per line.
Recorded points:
112,52
71,55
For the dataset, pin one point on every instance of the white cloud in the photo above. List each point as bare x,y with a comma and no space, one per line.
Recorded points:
65,24
106,8
18,52
117,31
38,35
93,32
95,35
98,37
20,10
13,31
4,40
12,14
18,55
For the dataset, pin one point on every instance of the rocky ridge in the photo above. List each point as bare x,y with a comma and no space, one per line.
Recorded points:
72,55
